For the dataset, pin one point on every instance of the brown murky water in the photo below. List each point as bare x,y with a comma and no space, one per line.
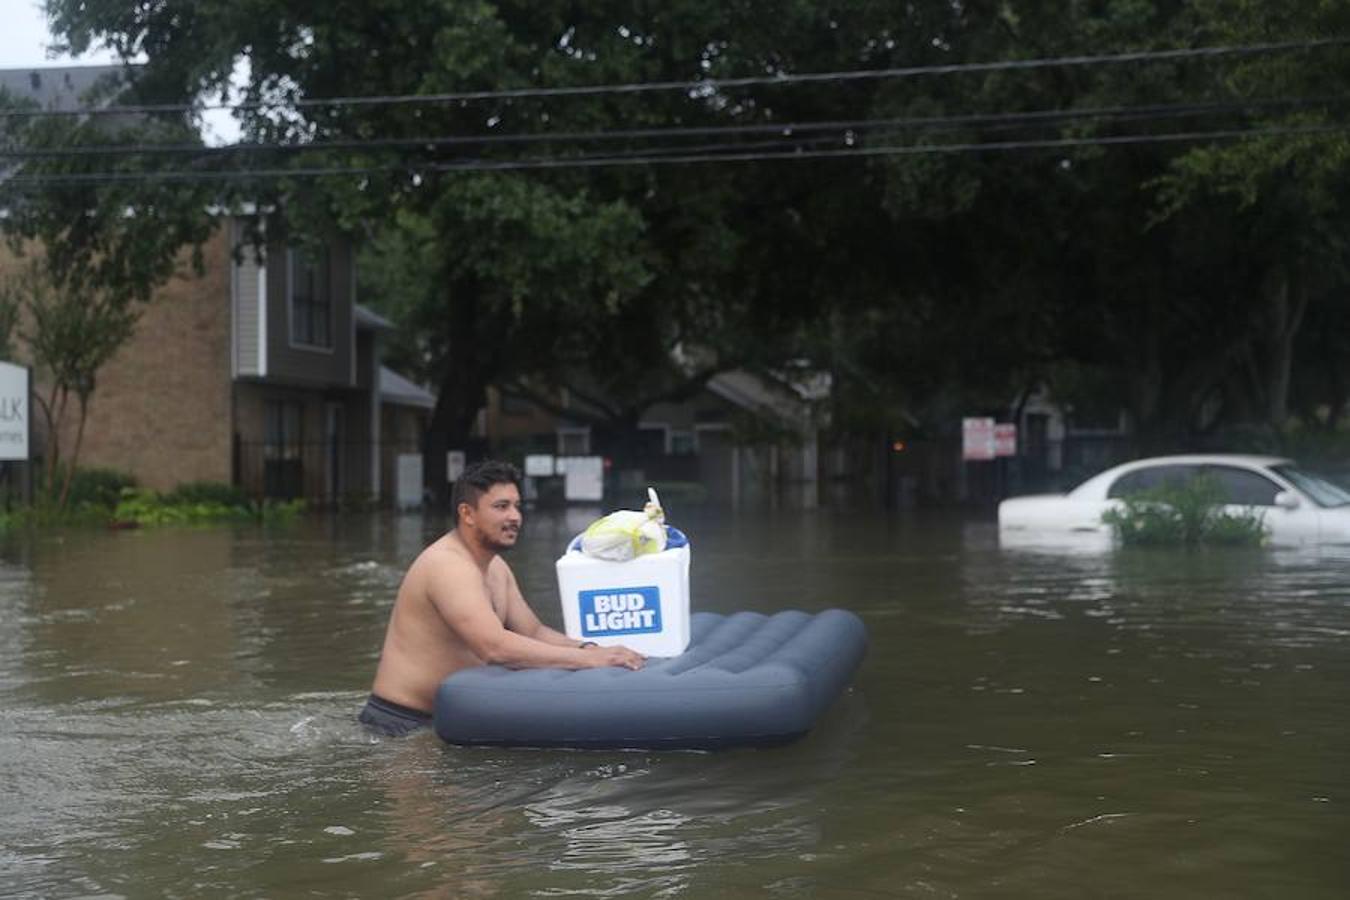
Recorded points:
176,720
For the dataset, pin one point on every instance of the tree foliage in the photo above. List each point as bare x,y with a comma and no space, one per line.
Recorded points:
121,237
70,335
1106,224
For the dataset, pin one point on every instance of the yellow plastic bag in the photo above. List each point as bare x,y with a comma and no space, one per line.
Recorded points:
627,533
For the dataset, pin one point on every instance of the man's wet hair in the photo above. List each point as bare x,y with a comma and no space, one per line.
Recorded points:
479,478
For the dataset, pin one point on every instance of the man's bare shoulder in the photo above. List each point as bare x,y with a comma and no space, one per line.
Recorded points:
500,569
444,559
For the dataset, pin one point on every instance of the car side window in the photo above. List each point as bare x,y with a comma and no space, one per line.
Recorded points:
1147,479
1241,487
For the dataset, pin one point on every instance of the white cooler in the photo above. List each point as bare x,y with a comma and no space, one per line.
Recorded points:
642,604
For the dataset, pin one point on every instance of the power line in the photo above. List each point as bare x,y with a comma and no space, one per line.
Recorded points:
788,130
700,86
674,156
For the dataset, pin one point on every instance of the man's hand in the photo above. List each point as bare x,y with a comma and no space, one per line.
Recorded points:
614,656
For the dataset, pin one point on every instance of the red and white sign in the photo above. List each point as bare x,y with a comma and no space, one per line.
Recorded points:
1005,439
977,439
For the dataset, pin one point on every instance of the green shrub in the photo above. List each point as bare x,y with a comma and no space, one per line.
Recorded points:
101,497
1187,514
98,487
150,508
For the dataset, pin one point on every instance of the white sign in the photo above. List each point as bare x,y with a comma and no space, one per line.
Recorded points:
539,465
15,411
585,478
977,438
454,465
1005,439
408,480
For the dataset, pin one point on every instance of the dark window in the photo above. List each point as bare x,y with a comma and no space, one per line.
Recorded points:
283,449
1141,480
282,436
683,443
1242,487
515,405
574,442
311,305
649,442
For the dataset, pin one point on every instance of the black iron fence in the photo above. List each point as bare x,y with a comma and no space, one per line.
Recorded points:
317,471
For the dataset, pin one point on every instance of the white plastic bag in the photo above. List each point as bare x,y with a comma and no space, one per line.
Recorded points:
627,534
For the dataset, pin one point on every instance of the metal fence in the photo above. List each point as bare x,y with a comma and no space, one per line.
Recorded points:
316,471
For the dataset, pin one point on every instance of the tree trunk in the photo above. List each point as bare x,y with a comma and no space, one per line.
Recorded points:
74,453
462,393
1286,305
1146,382
52,446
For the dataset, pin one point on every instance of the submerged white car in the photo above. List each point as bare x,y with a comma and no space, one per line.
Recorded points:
1296,506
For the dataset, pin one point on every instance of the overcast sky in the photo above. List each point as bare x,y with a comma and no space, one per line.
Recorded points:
24,39
23,43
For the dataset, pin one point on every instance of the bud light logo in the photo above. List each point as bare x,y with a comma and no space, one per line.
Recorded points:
635,610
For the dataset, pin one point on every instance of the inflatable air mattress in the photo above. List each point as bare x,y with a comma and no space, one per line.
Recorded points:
746,678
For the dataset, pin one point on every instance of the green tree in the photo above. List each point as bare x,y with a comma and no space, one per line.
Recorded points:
932,281
121,237
1285,195
96,247
1167,264
527,273
70,335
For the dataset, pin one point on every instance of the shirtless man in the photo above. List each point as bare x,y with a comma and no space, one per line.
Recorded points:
459,606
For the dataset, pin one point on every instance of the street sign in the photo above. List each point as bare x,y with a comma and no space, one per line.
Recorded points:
584,478
1005,439
977,438
15,411
539,465
454,464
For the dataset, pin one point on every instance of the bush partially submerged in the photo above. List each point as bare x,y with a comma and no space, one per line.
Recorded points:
108,497
149,508
98,487
1188,514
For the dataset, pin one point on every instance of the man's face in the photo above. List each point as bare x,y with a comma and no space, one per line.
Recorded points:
496,517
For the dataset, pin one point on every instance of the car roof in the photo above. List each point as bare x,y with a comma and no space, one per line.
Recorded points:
1250,459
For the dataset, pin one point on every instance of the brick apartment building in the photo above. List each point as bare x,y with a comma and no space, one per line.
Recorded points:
262,371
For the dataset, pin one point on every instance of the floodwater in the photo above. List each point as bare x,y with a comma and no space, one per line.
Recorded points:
176,720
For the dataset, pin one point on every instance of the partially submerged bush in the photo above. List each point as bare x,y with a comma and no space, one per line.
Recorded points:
106,497
149,508
1187,514
98,487
197,503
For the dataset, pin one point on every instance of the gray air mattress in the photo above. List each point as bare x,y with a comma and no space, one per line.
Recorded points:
746,678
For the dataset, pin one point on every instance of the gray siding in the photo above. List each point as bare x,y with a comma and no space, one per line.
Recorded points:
289,362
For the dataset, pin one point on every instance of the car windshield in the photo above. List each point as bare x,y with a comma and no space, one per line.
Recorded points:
1322,491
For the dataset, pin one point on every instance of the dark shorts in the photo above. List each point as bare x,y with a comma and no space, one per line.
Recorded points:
393,719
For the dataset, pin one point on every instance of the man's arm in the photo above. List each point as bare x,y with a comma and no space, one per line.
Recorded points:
521,619
461,598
